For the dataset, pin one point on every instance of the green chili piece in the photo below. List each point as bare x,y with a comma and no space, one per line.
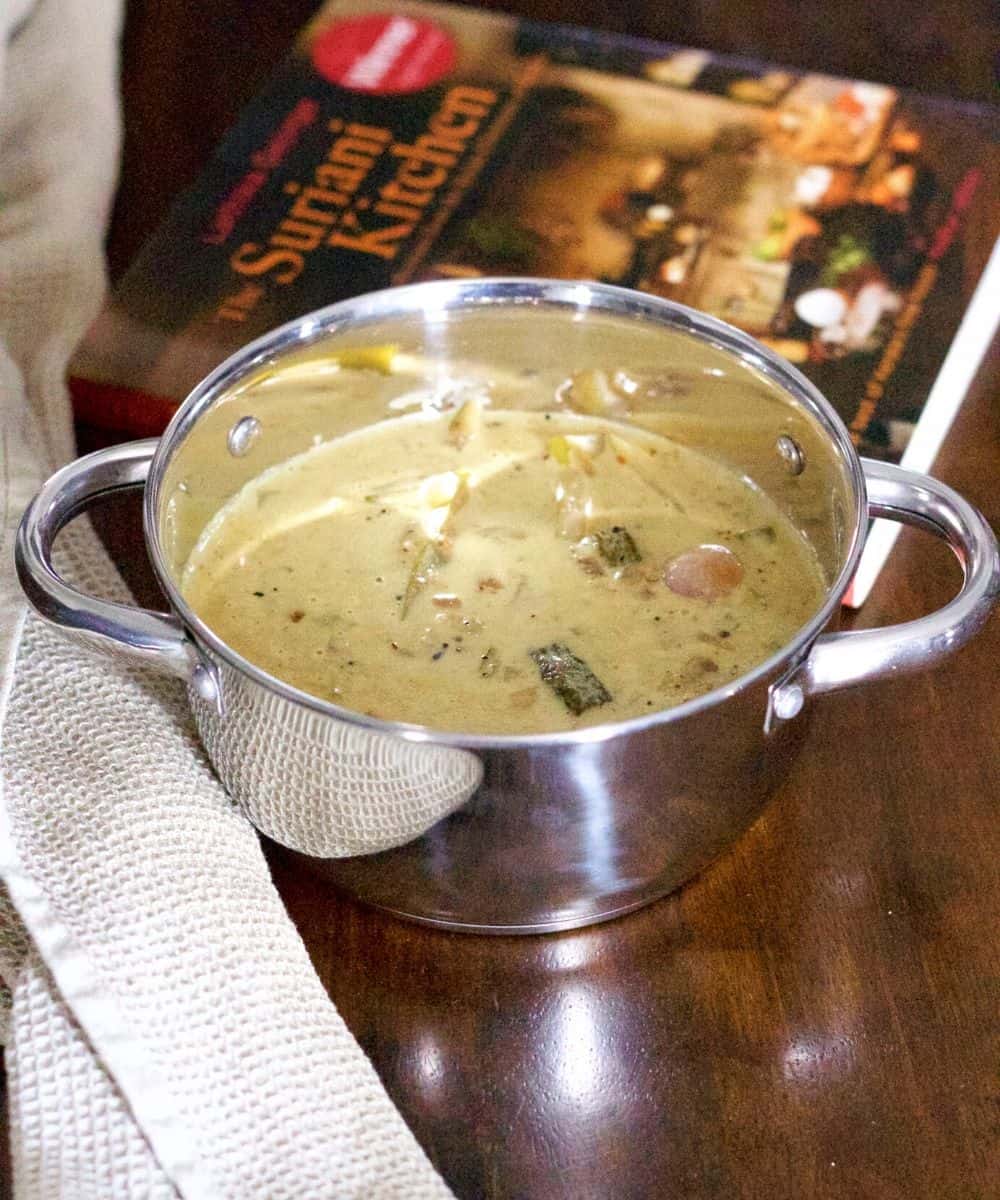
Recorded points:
764,533
427,561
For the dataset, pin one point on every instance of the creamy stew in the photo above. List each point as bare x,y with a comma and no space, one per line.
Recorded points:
503,570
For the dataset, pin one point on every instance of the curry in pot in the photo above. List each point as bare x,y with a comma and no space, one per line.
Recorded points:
515,560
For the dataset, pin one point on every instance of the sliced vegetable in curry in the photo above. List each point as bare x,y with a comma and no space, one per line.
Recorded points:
570,678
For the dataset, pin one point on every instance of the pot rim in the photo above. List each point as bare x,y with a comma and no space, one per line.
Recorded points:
441,296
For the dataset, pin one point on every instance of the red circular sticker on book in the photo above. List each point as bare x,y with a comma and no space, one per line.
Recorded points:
384,55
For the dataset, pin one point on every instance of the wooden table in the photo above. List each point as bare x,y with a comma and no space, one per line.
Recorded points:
817,1014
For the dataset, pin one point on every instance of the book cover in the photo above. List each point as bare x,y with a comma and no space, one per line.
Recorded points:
402,141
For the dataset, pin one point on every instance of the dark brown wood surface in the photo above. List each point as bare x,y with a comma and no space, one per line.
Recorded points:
817,1014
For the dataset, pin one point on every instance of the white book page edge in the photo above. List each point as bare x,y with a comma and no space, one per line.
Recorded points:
943,402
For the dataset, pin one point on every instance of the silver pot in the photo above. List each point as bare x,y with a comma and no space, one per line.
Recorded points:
507,834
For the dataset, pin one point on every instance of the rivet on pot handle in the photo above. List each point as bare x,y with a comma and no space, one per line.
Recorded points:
156,639
839,660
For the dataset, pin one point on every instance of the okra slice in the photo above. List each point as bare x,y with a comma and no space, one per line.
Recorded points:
617,546
570,678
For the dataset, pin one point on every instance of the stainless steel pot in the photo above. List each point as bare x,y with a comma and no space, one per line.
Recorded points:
507,834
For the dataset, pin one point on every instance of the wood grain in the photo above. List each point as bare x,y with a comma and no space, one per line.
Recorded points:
816,1015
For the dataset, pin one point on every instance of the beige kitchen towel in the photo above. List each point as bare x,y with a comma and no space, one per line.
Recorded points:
167,1033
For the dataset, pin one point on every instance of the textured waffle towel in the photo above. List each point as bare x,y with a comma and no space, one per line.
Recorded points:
167,1034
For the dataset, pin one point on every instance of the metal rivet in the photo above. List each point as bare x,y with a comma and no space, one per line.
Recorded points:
204,685
788,701
242,436
792,453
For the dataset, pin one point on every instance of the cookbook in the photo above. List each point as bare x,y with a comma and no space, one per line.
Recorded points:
402,141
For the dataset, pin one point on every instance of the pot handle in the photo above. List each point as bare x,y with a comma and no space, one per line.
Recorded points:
839,660
156,639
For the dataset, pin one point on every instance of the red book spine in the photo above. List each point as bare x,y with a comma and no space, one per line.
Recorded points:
107,406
